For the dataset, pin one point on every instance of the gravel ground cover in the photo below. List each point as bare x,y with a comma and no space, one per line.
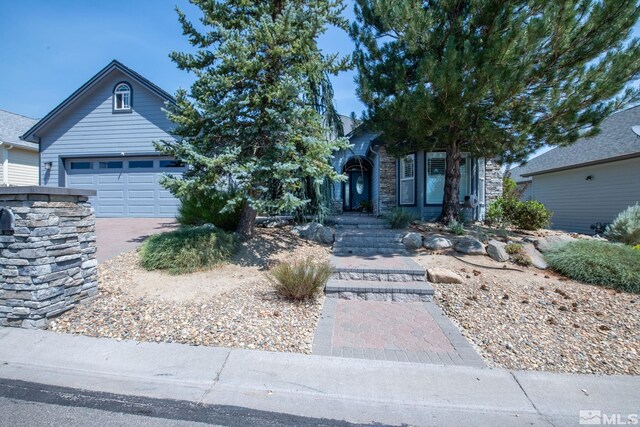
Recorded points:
231,306
538,320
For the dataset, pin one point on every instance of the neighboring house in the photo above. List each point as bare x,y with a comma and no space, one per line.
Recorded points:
589,182
380,182
101,137
18,159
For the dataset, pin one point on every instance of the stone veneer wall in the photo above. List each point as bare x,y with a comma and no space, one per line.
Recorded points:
49,263
388,182
493,182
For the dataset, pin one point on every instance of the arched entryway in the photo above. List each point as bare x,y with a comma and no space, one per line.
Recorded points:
357,188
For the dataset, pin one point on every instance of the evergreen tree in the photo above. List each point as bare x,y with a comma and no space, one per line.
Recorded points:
260,111
492,77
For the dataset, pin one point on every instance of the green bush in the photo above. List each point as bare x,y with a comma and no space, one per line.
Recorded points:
300,280
188,249
626,227
531,215
204,208
514,248
456,228
399,218
598,262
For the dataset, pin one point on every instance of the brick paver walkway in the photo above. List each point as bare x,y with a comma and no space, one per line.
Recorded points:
405,332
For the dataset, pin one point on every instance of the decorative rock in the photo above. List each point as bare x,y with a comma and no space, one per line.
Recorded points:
412,241
307,231
496,250
325,235
470,246
442,275
545,244
537,260
436,242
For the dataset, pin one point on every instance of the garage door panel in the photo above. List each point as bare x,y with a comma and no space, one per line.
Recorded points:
137,178
127,192
107,179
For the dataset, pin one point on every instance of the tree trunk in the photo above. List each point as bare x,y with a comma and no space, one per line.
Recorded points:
247,222
451,200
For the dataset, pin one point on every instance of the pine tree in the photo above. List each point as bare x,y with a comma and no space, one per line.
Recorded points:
259,113
492,77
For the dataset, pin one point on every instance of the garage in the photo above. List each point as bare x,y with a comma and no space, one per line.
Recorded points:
126,186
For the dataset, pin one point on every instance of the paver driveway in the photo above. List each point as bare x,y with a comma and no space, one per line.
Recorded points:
118,235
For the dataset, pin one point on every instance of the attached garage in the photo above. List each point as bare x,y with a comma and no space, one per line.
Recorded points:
126,186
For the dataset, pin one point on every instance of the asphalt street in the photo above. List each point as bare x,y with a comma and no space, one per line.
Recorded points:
31,404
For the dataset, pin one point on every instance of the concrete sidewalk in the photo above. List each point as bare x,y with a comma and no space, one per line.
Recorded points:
358,391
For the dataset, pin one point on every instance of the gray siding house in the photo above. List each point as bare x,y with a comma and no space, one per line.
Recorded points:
379,182
101,137
588,183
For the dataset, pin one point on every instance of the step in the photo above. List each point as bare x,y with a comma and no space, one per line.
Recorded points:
379,291
376,267
372,243
370,239
369,250
363,226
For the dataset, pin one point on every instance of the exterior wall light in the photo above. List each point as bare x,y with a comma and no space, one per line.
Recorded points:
48,166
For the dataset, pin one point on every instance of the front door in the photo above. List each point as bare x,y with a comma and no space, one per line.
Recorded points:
359,190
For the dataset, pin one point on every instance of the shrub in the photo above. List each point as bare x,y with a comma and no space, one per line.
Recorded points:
204,208
187,249
300,280
398,218
626,227
522,259
531,215
456,228
514,248
598,262
637,247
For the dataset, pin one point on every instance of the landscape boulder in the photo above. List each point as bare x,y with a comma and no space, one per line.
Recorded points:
315,231
436,242
412,241
547,243
537,260
496,251
442,275
325,235
470,246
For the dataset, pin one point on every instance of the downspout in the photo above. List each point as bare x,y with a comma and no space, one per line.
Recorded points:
5,162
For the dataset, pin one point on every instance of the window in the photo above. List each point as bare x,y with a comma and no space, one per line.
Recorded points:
81,165
408,180
122,97
171,164
110,165
436,169
140,164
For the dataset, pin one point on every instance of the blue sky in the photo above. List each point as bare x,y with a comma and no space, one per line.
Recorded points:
50,48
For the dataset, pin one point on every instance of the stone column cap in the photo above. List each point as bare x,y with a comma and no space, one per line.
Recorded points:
49,191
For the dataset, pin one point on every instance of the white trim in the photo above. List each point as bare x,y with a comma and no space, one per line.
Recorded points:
5,165
126,97
405,177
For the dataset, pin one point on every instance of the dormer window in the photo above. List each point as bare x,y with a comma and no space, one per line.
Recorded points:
122,97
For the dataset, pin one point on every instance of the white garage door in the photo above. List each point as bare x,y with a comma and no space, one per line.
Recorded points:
127,187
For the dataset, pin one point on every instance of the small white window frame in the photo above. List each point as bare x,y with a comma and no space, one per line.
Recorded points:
406,176
122,93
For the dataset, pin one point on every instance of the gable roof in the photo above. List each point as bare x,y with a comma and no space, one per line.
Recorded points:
29,135
13,125
616,141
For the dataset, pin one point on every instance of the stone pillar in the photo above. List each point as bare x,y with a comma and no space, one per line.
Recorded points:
48,263
493,182
388,181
